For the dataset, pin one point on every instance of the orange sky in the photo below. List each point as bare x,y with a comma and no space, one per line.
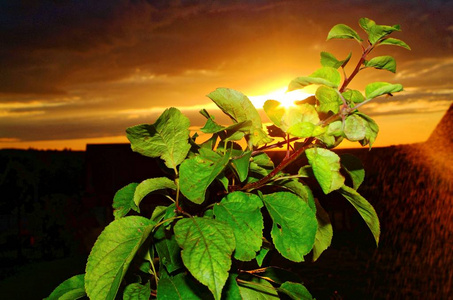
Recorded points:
81,72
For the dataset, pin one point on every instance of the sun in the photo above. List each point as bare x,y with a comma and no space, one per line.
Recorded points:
286,99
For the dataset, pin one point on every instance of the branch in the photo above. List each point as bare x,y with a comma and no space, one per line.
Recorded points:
283,164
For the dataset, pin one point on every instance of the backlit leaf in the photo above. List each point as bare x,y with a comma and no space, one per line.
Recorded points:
353,96
274,111
167,138
150,185
294,224
372,130
112,253
70,289
298,114
329,60
123,201
376,89
382,62
326,168
395,42
242,212
197,173
239,108
342,31
296,291
329,100
354,128
326,76
302,129
376,32
207,247
364,208
136,291
211,126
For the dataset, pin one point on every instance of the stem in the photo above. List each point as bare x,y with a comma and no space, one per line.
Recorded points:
276,145
283,164
347,80
156,279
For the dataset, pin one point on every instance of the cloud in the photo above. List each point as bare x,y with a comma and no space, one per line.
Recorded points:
75,69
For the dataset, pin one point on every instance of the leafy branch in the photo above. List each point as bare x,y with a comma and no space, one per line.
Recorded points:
228,198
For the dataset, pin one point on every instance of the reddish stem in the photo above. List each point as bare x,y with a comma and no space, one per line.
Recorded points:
283,164
347,80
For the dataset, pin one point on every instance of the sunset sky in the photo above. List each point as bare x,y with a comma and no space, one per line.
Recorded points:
78,72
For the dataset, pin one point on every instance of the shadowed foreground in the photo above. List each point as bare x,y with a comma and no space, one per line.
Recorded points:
411,188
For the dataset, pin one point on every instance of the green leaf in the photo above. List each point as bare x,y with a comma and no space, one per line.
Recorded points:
237,131
354,167
376,32
257,289
299,114
274,111
324,233
329,60
158,213
211,126
261,164
231,289
150,185
329,99
395,42
242,212
197,173
333,135
364,208
302,129
239,108
112,253
372,130
136,291
382,62
354,128
261,255
167,249
376,89
241,165
294,224
123,201
179,287
353,96
300,190
70,289
342,31
296,291
167,138
207,247
326,167
326,76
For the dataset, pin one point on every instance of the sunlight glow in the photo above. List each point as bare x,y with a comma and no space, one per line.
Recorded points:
286,99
